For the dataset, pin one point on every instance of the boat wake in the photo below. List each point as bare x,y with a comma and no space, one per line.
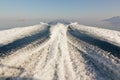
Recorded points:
53,52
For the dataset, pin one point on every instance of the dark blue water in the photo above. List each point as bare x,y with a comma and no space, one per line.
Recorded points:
113,49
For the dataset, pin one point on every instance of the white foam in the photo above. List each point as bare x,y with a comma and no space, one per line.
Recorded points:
111,36
10,35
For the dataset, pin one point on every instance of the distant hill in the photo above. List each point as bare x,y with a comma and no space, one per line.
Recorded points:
59,21
115,21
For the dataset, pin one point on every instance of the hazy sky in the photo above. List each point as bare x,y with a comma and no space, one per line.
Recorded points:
59,9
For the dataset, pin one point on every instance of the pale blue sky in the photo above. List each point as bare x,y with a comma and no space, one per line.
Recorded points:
55,9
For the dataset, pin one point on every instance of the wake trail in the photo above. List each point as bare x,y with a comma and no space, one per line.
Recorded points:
60,56
106,66
57,64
